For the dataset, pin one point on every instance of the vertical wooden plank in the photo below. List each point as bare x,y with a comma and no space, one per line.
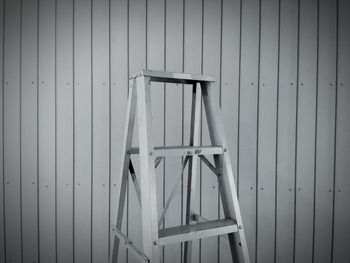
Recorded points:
211,66
137,61
267,131
155,60
173,118
325,131
2,215
82,131
12,171
306,107
248,120
101,130
119,90
47,132
64,98
29,124
230,54
192,64
286,130
341,234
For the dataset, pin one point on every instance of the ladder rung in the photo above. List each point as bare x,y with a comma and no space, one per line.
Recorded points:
196,231
182,150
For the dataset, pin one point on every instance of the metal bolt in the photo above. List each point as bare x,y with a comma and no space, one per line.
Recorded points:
151,153
197,151
225,150
240,226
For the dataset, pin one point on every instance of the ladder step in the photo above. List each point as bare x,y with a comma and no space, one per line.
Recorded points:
182,150
196,231
172,77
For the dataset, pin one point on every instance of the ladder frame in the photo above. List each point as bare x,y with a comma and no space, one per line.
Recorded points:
139,98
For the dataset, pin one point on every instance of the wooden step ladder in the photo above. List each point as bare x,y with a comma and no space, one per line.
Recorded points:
196,227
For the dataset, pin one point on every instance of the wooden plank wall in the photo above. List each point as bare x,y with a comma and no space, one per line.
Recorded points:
282,69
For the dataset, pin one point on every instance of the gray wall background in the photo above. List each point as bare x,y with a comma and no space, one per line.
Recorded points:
283,84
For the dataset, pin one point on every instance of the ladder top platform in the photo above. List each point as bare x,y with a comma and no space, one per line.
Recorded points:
172,77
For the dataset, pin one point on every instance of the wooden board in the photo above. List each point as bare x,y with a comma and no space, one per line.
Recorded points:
173,119
2,219
64,97
29,124
137,61
230,55
342,181
11,122
286,131
155,60
247,173
101,131
82,132
192,63
266,184
211,66
325,131
306,107
47,132
119,90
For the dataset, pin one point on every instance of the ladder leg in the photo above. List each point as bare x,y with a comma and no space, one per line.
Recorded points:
238,244
147,171
128,132
192,168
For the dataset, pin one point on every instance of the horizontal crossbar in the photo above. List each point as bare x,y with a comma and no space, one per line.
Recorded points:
196,231
181,150
173,77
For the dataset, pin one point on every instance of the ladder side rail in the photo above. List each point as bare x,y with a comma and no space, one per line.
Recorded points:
147,171
238,244
127,141
193,163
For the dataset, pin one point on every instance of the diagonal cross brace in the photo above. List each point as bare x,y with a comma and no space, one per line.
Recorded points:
178,179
